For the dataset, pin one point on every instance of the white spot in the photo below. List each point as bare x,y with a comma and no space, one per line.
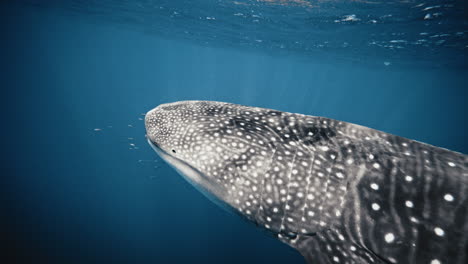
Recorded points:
310,196
269,200
275,210
353,248
451,164
435,261
375,207
350,161
409,204
336,259
408,178
376,165
389,237
300,195
294,171
374,186
448,197
310,213
439,231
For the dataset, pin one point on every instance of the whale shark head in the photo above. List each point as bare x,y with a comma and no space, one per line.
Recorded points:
199,139
182,133
224,150
253,161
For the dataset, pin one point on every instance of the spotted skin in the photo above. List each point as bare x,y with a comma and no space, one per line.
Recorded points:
335,191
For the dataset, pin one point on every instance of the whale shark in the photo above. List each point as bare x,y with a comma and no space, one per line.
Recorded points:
335,191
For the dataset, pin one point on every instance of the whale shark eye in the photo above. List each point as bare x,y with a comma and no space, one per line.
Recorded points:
173,151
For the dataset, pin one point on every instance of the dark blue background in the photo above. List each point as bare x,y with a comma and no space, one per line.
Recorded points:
74,195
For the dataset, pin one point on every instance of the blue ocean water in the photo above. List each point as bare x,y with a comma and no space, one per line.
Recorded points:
80,183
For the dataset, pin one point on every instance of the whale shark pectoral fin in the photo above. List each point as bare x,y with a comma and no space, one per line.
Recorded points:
331,247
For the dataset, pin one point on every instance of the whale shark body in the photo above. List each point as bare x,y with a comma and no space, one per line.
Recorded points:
335,191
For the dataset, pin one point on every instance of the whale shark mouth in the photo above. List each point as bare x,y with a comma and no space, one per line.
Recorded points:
191,174
195,177
154,145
